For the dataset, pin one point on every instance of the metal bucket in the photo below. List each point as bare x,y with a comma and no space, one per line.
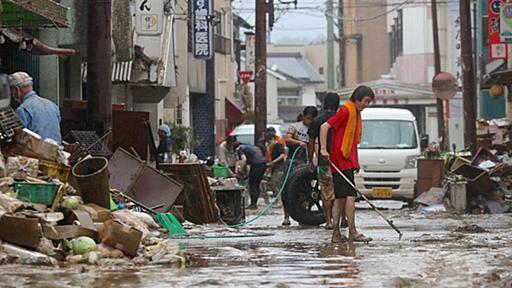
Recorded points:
458,196
92,180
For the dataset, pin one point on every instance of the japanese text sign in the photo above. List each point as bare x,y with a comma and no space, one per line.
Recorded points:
202,42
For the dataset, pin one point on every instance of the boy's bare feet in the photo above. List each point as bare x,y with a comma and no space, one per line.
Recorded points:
337,237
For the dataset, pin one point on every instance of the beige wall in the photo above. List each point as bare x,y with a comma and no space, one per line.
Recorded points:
225,66
367,58
181,55
317,55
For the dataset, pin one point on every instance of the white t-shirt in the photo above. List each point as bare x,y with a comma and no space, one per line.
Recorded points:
299,131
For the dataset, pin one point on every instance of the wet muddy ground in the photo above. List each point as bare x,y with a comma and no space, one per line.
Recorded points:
437,250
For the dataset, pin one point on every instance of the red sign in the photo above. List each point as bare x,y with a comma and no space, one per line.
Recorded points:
495,43
245,76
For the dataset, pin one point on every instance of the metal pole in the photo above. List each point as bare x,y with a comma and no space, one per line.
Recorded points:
341,33
468,75
99,65
437,68
330,45
260,107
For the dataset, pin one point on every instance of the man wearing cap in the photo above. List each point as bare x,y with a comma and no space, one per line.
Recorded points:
164,149
272,131
38,114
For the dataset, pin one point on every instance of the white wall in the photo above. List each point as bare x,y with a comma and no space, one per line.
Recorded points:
308,95
417,29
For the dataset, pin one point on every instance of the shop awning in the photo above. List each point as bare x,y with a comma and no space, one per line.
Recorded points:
234,112
121,72
33,45
502,77
34,13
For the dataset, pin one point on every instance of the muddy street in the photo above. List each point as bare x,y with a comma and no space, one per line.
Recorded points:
437,250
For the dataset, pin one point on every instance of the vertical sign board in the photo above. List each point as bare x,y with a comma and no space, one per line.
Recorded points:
454,31
202,32
506,22
497,49
149,17
250,50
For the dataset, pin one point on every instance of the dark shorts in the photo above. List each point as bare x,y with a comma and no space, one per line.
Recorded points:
341,188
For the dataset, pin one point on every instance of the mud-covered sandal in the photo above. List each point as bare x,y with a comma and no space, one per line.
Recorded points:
360,238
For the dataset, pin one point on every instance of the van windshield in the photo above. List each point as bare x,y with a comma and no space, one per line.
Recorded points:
388,134
246,139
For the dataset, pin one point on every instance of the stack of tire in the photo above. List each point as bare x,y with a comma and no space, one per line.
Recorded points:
298,190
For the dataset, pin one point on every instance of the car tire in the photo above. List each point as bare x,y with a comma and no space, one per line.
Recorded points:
301,199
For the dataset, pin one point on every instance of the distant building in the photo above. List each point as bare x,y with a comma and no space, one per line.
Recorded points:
316,54
297,83
366,41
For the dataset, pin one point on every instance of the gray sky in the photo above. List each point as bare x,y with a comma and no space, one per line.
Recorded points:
307,22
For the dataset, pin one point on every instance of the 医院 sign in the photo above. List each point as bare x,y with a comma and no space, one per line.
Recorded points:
202,29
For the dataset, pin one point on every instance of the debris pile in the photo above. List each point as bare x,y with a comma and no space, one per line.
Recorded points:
44,220
480,183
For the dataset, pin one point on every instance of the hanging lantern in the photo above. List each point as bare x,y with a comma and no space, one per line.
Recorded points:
496,90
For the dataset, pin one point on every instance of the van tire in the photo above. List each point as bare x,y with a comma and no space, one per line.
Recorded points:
299,194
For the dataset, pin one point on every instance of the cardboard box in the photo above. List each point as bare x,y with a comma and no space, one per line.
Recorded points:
122,237
67,232
34,146
98,213
20,167
20,230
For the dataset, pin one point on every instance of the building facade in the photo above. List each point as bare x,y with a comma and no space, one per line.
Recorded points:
366,41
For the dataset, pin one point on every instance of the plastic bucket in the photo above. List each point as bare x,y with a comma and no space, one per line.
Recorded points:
92,180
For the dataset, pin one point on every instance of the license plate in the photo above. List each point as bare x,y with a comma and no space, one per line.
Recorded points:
382,192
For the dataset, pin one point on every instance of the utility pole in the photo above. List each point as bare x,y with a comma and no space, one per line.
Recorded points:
341,35
468,76
330,45
260,99
437,67
99,66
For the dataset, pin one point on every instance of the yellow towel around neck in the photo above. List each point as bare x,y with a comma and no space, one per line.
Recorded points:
354,127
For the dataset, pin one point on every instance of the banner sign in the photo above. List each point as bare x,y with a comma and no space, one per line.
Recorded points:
506,22
202,32
250,50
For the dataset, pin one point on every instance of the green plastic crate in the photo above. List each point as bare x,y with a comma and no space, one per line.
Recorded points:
220,171
35,192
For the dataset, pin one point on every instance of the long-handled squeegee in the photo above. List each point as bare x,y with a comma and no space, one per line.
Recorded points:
390,222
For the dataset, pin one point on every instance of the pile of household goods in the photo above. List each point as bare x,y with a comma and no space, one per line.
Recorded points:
479,183
45,220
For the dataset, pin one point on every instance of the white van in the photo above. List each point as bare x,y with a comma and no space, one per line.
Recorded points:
388,151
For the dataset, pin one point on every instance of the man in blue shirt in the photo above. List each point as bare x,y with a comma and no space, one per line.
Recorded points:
255,156
38,114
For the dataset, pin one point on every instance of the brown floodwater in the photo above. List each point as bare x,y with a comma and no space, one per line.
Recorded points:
430,254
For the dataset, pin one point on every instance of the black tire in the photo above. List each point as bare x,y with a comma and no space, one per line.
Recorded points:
302,198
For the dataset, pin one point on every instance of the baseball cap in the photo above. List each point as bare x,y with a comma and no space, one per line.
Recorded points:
271,130
20,79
